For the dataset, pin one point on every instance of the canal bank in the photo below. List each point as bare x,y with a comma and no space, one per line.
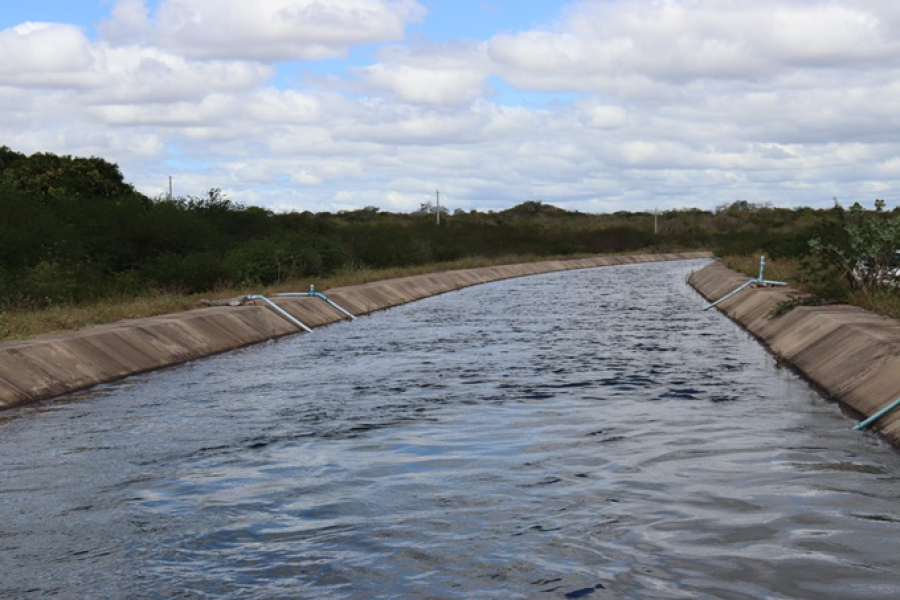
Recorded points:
849,353
56,364
585,434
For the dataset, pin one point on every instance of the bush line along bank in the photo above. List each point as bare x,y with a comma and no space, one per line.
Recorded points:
72,231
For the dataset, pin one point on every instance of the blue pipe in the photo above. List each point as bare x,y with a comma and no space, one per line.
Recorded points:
312,293
281,312
878,415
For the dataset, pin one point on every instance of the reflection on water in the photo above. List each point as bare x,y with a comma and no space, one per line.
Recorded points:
589,434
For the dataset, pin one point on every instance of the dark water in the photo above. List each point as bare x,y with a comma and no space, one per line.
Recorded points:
588,434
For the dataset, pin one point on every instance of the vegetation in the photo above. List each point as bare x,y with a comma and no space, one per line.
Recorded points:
76,239
853,258
865,255
19,323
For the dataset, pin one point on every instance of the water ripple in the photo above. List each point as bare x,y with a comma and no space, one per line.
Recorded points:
507,441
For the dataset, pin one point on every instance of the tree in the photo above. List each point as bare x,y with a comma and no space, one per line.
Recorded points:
867,258
9,157
429,208
50,177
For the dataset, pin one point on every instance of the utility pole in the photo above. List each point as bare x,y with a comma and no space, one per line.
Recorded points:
437,194
655,221
170,187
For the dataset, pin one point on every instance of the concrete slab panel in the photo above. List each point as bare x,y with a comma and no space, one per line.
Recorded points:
852,355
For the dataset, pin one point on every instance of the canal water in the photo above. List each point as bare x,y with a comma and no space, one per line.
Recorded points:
587,434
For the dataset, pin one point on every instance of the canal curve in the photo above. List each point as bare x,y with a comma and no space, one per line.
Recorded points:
587,434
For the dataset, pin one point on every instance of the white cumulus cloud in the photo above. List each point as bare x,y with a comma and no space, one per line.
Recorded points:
44,54
265,30
614,105
598,44
435,74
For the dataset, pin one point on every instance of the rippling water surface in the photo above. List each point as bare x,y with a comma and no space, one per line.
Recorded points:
589,434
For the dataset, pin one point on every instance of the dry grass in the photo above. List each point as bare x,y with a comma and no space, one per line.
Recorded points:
23,324
787,270
882,303
790,271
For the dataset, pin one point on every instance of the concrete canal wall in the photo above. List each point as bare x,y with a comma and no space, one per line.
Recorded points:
52,365
851,354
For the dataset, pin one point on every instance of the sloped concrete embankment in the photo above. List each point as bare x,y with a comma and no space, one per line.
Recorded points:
851,354
52,365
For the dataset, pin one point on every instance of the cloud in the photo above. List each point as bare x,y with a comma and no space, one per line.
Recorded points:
44,54
611,46
622,105
262,30
447,75
128,24
60,56
602,115
138,74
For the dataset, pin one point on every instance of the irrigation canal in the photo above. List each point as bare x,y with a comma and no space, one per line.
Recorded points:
585,434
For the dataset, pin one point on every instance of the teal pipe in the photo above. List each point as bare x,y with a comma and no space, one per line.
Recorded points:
877,415
312,293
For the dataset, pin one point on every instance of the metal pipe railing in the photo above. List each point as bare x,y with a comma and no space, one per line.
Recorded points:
312,293
281,312
761,280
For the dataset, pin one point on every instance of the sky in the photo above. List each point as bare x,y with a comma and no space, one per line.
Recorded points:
595,105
